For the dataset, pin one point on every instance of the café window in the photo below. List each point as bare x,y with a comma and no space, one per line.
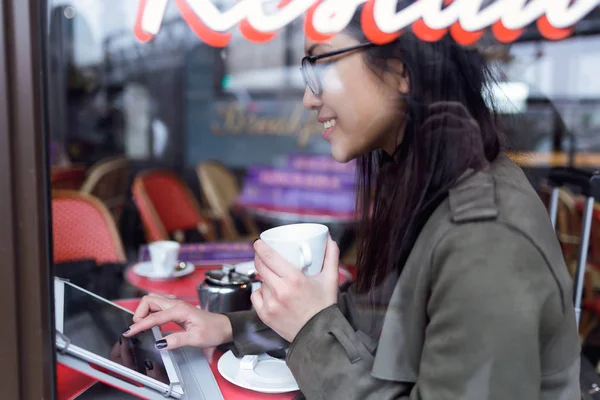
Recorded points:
172,148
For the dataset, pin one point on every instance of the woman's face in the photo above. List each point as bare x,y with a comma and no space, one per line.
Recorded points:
364,108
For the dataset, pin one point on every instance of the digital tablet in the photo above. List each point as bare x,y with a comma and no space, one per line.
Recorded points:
90,328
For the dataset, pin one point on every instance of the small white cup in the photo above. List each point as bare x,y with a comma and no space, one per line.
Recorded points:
164,255
302,245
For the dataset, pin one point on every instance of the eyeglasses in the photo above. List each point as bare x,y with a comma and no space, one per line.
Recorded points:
309,70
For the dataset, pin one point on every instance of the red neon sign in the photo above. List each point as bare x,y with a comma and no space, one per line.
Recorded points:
464,20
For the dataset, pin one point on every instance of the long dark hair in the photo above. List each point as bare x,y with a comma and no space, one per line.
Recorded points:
398,193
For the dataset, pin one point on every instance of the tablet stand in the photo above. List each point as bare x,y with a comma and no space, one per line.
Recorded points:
191,365
85,368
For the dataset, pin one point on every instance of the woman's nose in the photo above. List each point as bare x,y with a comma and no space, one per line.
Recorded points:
310,101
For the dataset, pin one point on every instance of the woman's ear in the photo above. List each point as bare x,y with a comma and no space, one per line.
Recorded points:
404,86
400,76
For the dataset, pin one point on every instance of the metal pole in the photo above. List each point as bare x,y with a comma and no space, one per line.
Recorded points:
583,252
554,206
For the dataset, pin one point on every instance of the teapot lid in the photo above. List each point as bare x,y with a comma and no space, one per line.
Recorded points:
227,277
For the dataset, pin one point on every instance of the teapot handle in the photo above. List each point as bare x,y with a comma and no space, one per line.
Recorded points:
227,269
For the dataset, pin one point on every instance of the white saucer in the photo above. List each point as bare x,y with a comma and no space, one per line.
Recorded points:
245,268
270,375
146,270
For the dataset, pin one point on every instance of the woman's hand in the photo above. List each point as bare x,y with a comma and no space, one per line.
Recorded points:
288,299
201,328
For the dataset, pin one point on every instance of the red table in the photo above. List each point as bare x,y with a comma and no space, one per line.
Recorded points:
71,383
185,287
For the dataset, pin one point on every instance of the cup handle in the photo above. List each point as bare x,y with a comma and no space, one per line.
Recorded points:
305,255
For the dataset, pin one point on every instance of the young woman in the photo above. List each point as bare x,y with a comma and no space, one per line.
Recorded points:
462,292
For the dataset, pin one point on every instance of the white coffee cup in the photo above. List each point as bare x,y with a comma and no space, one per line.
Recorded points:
302,245
164,256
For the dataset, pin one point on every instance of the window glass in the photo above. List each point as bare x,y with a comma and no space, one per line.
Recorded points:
180,139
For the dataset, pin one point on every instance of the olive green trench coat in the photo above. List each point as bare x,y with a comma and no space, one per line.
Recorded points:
482,310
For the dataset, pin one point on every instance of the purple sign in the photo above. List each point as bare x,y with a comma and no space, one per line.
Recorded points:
276,177
318,163
285,197
210,253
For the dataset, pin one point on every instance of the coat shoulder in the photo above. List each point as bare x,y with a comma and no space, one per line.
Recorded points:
500,194
494,204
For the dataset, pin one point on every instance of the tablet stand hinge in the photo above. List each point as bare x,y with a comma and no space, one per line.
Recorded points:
66,340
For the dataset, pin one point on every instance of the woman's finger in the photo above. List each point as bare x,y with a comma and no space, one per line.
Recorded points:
332,261
266,290
174,341
149,304
257,301
266,274
142,310
272,260
155,319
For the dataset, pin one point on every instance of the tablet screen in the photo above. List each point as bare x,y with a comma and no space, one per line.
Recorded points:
97,326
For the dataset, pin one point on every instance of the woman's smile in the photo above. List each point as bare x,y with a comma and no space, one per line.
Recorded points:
329,125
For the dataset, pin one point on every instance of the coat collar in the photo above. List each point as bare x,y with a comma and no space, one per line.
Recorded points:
473,198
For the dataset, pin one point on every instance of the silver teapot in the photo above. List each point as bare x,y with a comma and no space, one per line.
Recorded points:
225,290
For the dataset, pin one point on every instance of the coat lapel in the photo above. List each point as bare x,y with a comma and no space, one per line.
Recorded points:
403,334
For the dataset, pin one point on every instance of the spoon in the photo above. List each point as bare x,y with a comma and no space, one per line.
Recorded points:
180,267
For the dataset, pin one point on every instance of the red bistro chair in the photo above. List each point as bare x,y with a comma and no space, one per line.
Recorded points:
167,207
83,228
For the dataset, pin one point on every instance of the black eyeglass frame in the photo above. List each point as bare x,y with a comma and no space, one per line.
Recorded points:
310,61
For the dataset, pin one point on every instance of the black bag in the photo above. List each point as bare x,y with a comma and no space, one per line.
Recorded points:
105,280
587,184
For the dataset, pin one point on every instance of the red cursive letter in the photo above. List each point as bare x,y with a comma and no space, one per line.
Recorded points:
505,35
210,37
138,29
370,28
464,37
427,34
550,32
309,28
253,34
